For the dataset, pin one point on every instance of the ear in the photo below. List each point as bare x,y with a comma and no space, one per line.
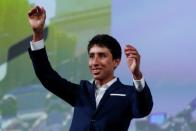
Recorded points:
116,63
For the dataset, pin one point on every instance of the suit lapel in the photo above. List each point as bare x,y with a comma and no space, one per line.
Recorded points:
91,90
106,95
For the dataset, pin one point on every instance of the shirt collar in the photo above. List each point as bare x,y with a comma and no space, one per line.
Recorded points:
108,84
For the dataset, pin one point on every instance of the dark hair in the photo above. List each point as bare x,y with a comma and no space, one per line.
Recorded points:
104,40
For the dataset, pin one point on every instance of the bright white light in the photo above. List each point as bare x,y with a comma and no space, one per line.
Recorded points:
3,71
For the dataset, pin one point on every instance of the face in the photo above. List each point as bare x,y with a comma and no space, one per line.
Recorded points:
101,64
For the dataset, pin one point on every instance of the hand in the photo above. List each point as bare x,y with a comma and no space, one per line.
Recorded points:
133,61
36,17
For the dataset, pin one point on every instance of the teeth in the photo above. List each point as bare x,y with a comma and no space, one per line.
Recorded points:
96,70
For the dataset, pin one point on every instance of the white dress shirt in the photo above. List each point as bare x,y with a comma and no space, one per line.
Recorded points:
100,90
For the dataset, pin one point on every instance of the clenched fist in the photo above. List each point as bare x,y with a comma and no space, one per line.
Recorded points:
133,61
36,17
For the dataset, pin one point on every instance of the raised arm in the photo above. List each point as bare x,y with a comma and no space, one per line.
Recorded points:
49,78
141,99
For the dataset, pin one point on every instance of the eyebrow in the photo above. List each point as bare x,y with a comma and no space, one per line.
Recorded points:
99,53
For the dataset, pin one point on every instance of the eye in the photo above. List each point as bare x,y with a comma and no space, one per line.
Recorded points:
91,56
102,55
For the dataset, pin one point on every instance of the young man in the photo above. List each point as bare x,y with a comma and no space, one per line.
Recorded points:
106,104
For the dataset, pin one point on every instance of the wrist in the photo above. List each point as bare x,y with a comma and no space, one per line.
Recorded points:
137,75
37,35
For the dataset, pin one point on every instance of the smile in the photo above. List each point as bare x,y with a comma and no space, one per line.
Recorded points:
97,70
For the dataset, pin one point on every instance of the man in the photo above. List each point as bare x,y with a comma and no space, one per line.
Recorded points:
106,104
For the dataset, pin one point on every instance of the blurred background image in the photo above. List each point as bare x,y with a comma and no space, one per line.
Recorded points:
162,31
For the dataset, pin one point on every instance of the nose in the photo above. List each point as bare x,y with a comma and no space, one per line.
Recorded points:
95,61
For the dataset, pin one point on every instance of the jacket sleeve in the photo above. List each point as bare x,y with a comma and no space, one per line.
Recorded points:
141,102
50,79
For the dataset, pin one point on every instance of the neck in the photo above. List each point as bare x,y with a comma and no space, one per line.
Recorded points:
103,81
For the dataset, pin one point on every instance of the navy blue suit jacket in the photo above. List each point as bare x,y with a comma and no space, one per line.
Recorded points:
119,105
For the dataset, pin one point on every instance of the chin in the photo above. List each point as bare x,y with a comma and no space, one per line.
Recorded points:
97,77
